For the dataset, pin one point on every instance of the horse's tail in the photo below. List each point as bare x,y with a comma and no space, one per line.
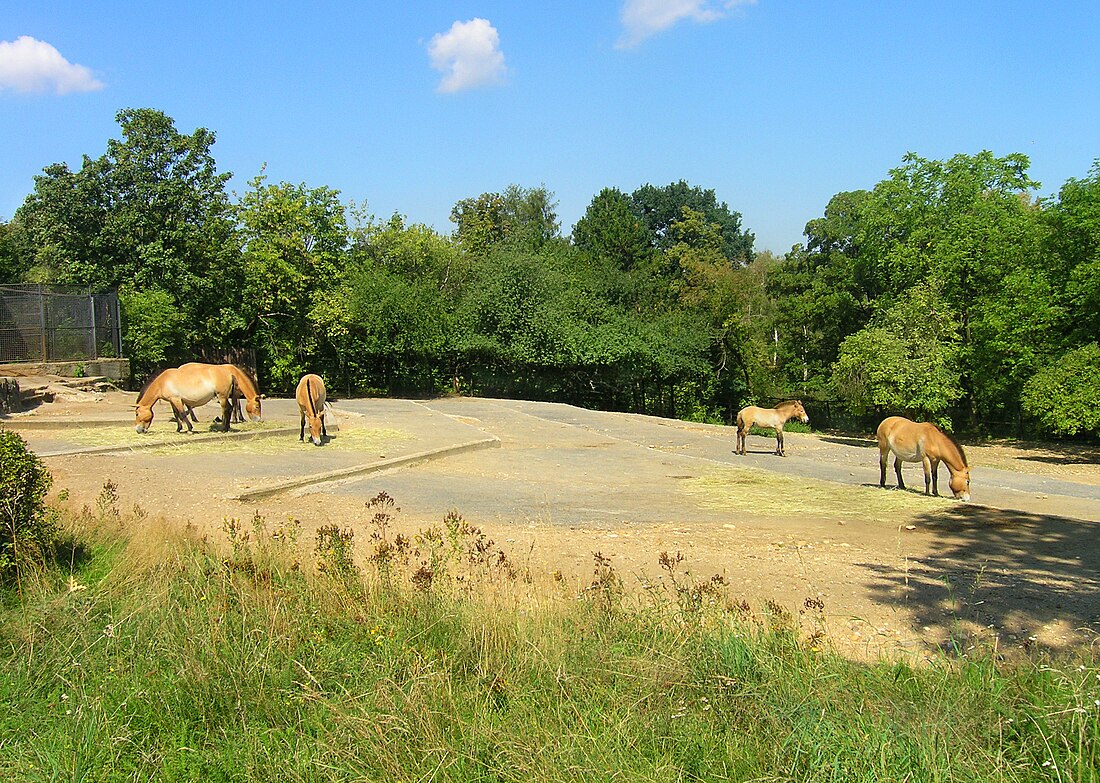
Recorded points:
232,388
740,419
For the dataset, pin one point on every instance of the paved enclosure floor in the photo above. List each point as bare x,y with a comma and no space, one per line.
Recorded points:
555,484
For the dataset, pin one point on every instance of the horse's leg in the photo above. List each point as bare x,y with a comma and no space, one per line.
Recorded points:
779,441
935,477
227,408
883,458
176,418
927,473
302,432
180,411
324,432
897,470
191,413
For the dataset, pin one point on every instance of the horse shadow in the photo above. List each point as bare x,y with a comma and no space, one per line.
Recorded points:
1078,456
849,440
1008,572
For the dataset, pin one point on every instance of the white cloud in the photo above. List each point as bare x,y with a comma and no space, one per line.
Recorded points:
468,54
644,18
30,65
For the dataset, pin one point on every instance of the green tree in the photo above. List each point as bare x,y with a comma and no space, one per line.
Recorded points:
905,360
388,325
413,251
1074,243
610,230
966,226
659,208
295,238
521,217
15,254
1063,395
151,214
820,295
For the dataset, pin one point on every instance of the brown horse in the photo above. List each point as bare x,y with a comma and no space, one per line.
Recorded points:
310,395
922,442
193,386
245,388
771,418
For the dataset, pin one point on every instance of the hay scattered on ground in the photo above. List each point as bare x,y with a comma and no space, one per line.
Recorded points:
763,492
168,442
368,440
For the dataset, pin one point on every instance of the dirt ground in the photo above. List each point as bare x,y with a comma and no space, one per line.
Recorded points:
896,572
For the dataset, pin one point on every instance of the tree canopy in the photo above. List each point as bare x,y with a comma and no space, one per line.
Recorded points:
946,291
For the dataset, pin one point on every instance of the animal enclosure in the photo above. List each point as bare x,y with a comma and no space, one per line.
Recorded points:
48,323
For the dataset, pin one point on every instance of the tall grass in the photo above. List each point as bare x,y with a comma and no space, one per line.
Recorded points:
152,654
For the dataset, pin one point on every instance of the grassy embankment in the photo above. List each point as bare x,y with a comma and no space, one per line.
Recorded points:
153,654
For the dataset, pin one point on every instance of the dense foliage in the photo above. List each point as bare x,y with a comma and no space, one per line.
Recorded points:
25,527
947,291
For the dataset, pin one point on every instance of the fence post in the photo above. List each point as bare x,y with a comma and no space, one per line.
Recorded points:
118,324
94,351
42,322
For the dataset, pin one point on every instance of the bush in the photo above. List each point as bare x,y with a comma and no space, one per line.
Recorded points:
26,530
1063,395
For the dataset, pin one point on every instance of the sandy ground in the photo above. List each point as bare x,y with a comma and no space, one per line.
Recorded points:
895,571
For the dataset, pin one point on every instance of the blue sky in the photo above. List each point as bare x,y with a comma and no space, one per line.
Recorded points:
775,104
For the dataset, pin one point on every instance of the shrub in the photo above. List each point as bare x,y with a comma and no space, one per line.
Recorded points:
26,530
1063,395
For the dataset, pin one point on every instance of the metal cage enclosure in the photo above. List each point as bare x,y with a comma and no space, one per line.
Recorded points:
58,323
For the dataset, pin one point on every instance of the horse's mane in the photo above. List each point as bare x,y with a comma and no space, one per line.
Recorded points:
249,377
955,443
148,383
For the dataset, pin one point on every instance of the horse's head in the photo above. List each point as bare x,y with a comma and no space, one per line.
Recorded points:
960,484
315,428
252,408
800,412
144,418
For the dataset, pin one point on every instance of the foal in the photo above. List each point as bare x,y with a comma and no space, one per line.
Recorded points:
773,418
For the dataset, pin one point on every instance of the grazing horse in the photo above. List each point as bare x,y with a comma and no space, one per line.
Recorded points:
245,388
182,387
310,395
922,442
772,418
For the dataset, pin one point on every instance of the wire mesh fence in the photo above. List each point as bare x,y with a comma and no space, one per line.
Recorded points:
58,323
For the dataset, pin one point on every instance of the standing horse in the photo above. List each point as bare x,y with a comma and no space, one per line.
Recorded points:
772,418
310,395
182,387
245,387
922,442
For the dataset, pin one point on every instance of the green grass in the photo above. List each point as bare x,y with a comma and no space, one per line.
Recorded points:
162,656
